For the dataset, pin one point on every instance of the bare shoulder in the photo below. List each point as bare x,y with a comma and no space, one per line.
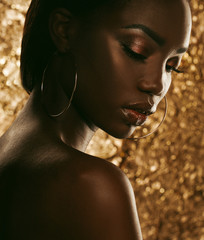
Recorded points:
107,181
102,202
72,195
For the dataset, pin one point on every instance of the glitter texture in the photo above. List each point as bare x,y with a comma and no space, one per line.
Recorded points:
165,169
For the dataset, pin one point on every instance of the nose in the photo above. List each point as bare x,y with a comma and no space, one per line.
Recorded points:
154,82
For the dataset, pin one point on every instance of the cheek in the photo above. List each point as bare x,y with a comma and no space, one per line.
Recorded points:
105,70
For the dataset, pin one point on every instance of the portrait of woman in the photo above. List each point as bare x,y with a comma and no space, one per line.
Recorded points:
86,65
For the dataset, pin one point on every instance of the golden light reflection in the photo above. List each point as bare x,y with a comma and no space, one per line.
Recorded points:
166,169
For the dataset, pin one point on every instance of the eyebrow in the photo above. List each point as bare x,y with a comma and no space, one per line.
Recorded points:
182,50
159,40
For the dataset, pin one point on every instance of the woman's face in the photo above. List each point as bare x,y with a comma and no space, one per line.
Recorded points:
125,59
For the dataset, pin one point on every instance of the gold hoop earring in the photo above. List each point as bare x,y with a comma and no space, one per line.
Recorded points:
69,100
165,113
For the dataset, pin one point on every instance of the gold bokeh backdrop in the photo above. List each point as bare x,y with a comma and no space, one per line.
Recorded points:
165,169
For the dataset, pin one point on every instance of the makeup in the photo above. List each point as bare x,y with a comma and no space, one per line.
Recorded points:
133,117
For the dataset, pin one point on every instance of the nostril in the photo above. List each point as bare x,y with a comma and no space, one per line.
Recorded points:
151,88
153,81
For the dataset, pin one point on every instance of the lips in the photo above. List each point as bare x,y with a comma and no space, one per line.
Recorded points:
137,114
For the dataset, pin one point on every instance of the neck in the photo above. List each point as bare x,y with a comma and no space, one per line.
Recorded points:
74,130
70,128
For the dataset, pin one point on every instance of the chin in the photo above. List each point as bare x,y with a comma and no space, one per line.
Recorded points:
122,132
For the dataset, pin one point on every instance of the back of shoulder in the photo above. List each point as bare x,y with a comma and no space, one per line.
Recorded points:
104,179
103,202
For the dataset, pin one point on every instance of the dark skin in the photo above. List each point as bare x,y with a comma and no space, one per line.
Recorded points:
50,189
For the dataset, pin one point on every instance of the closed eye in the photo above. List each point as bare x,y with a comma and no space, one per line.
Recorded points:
139,57
171,65
129,52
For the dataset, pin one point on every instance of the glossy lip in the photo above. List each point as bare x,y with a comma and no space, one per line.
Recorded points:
137,114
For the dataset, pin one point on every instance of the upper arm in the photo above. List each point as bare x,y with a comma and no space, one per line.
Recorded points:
106,206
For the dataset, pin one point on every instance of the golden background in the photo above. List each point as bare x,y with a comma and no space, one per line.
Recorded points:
165,169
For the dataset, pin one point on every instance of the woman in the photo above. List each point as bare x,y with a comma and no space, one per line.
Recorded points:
87,65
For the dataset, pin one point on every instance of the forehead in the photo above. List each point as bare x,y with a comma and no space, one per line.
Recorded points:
170,19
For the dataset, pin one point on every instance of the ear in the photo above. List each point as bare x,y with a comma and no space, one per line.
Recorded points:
61,28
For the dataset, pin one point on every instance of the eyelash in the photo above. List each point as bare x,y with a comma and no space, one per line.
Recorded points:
140,57
171,68
132,54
